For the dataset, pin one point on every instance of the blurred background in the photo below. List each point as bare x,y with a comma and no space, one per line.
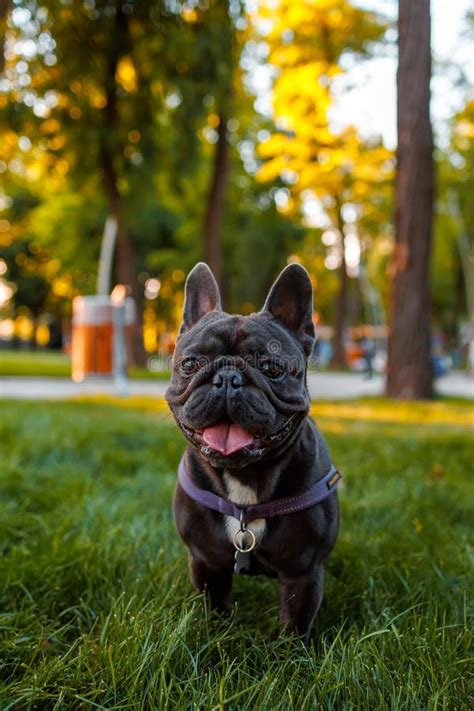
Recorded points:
141,137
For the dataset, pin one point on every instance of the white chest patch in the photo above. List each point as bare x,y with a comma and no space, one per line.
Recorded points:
241,495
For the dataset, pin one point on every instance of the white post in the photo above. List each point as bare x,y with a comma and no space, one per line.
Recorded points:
107,248
118,297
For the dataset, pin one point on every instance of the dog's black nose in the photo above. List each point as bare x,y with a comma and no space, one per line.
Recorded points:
230,379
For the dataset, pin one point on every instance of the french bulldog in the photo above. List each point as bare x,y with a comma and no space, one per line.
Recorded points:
239,395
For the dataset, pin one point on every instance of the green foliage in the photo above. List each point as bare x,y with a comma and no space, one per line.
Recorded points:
143,85
96,605
454,233
120,92
265,240
24,269
68,226
175,69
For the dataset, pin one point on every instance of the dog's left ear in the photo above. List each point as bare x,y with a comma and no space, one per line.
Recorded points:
290,301
201,295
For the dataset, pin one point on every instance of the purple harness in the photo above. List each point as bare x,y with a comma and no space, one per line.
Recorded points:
317,493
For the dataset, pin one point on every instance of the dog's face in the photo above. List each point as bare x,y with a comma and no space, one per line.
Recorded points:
238,389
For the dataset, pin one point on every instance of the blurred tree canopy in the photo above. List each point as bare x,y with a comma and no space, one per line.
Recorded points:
146,111
453,267
349,176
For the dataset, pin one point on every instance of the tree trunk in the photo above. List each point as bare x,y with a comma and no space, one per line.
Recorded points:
409,369
215,204
124,258
110,144
339,359
125,270
4,8
466,258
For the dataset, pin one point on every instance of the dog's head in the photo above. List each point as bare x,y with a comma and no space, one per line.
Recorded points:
238,390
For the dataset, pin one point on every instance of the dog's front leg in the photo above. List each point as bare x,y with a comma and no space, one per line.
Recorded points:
217,583
300,599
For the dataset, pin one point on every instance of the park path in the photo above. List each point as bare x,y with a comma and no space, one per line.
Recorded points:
322,386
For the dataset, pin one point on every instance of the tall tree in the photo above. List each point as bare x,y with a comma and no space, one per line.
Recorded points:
4,7
215,201
225,41
114,89
409,370
90,102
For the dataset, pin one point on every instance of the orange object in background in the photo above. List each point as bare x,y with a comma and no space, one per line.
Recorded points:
92,334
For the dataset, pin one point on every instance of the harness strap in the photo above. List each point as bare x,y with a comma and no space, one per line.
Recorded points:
290,504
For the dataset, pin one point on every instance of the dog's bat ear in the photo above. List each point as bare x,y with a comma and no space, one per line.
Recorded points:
201,295
290,301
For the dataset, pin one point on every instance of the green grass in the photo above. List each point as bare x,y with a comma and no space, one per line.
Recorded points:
53,365
96,610
44,363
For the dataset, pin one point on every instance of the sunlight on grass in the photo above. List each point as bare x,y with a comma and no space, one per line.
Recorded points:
97,611
337,414
134,402
440,412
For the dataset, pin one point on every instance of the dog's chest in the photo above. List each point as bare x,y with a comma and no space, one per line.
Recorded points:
241,495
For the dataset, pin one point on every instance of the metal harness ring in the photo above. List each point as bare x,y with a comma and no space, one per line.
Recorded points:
243,532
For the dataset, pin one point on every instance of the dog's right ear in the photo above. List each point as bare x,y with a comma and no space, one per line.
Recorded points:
201,295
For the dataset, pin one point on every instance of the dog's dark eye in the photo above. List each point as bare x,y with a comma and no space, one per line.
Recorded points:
272,370
190,365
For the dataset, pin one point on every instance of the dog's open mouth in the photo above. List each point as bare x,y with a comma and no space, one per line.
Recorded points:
227,438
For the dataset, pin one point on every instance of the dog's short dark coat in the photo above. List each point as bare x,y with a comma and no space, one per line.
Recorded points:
289,453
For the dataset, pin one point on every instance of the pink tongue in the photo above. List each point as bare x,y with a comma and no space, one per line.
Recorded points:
227,438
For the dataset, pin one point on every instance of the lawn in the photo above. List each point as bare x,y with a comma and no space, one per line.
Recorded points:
96,610
53,364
